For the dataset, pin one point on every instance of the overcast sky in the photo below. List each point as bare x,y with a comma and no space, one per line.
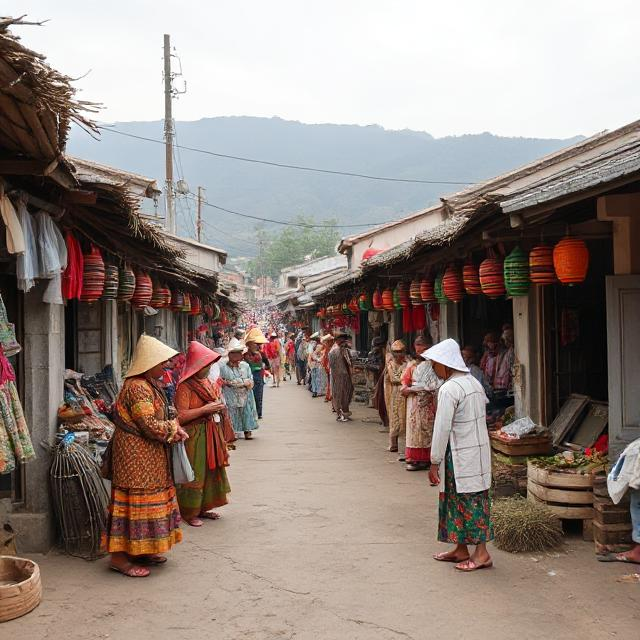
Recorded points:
543,68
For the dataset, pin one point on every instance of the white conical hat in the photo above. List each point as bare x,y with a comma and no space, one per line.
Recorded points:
148,353
447,353
236,346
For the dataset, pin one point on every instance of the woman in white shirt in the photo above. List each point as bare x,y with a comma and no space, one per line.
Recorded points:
461,450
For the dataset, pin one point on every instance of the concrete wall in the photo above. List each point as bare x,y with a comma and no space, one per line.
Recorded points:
43,376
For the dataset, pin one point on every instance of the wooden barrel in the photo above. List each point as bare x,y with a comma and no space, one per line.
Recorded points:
20,587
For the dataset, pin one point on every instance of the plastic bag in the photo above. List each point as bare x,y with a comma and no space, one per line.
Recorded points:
27,262
520,427
182,471
52,250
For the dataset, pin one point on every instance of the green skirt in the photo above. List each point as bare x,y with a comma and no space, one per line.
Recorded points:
465,518
209,488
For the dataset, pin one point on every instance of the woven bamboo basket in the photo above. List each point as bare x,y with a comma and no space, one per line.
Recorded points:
20,587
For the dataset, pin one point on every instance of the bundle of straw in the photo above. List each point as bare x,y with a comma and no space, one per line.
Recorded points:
520,525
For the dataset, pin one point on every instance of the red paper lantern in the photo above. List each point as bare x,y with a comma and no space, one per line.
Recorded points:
186,304
571,260
541,270
158,298
177,300
452,283
353,306
144,290
195,306
492,277
378,304
471,279
92,275
427,291
387,300
403,295
414,293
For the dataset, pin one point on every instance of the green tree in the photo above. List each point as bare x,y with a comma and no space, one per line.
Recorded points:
292,245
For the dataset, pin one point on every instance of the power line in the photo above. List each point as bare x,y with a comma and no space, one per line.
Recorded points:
350,174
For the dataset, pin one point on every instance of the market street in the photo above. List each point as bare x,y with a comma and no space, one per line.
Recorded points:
328,537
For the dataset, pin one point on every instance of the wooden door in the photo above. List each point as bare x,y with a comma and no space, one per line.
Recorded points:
623,344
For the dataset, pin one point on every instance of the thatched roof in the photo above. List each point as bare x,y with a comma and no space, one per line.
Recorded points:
37,106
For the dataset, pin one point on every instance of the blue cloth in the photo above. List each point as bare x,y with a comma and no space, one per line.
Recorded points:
634,495
258,390
240,401
318,381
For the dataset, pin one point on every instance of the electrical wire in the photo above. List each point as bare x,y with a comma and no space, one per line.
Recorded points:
350,174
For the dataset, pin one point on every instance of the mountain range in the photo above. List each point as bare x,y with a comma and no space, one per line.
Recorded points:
281,194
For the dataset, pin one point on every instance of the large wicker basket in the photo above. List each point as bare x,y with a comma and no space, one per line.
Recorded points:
20,587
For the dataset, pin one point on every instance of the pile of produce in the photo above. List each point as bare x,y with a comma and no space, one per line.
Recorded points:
589,461
520,525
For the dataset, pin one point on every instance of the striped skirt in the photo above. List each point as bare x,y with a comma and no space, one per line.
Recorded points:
142,521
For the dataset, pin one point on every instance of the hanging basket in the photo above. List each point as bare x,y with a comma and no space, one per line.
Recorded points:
144,290
414,293
396,299
186,303
157,297
452,283
403,295
571,260
427,291
387,300
92,276
471,279
196,306
177,300
126,284
439,290
516,273
541,270
111,280
492,277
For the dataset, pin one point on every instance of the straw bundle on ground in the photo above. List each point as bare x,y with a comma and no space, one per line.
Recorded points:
520,525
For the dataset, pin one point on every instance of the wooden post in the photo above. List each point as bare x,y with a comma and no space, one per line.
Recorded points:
199,218
170,221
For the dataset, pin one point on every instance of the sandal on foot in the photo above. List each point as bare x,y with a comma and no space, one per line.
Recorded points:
616,557
210,515
131,570
392,449
471,565
195,522
446,557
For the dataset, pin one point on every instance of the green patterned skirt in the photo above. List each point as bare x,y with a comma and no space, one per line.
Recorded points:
465,518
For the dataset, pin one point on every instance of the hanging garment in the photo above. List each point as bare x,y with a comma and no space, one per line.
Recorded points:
27,262
15,239
8,342
52,251
72,277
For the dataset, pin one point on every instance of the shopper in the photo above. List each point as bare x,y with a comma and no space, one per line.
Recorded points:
258,363
461,460
395,402
200,412
143,518
341,377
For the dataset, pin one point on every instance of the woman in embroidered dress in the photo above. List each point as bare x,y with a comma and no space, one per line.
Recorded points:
396,403
143,514
419,386
201,413
237,383
318,373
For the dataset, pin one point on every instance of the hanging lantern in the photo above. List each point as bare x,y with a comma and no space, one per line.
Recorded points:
387,300
452,284
414,293
571,260
110,291
541,269
92,275
427,292
196,306
186,303
396,299
403,293
419,318
345,309
471,279
516,273
364,302
492,277
378,303
157,297
126,284
144,290
167,297
177,300
438,289
354,307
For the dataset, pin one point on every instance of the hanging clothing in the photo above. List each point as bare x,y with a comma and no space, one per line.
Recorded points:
14,237
52,250
72,277
341,382
206,449
143,513
27,263
395,402
239,399
421,410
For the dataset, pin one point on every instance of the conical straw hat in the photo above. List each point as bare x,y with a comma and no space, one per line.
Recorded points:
235,346
447,353
198,357
148,353
255,335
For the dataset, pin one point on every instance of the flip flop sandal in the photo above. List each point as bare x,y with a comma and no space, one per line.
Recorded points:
616,557
194,522
472,566
131,570
443,557
393,449
210,515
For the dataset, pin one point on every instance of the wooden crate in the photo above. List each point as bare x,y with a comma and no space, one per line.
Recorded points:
568,495
527,446
609,513
608,534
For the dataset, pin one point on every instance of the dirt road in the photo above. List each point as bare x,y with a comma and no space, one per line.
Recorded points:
329,538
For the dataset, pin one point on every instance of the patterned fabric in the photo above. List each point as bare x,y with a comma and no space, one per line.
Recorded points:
240,401
341,383
318,372
142,522
503,378
395,402
464,518
207,452
15,441
141,460
258,390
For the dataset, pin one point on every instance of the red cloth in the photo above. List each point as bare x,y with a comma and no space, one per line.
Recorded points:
6,370
412,454
271,349
72,276
198,357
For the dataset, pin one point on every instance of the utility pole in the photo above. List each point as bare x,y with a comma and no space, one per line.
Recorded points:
199,219
170,221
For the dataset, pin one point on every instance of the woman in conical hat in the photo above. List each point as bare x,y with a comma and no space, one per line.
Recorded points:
258,364
200,412
141,477
237,385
